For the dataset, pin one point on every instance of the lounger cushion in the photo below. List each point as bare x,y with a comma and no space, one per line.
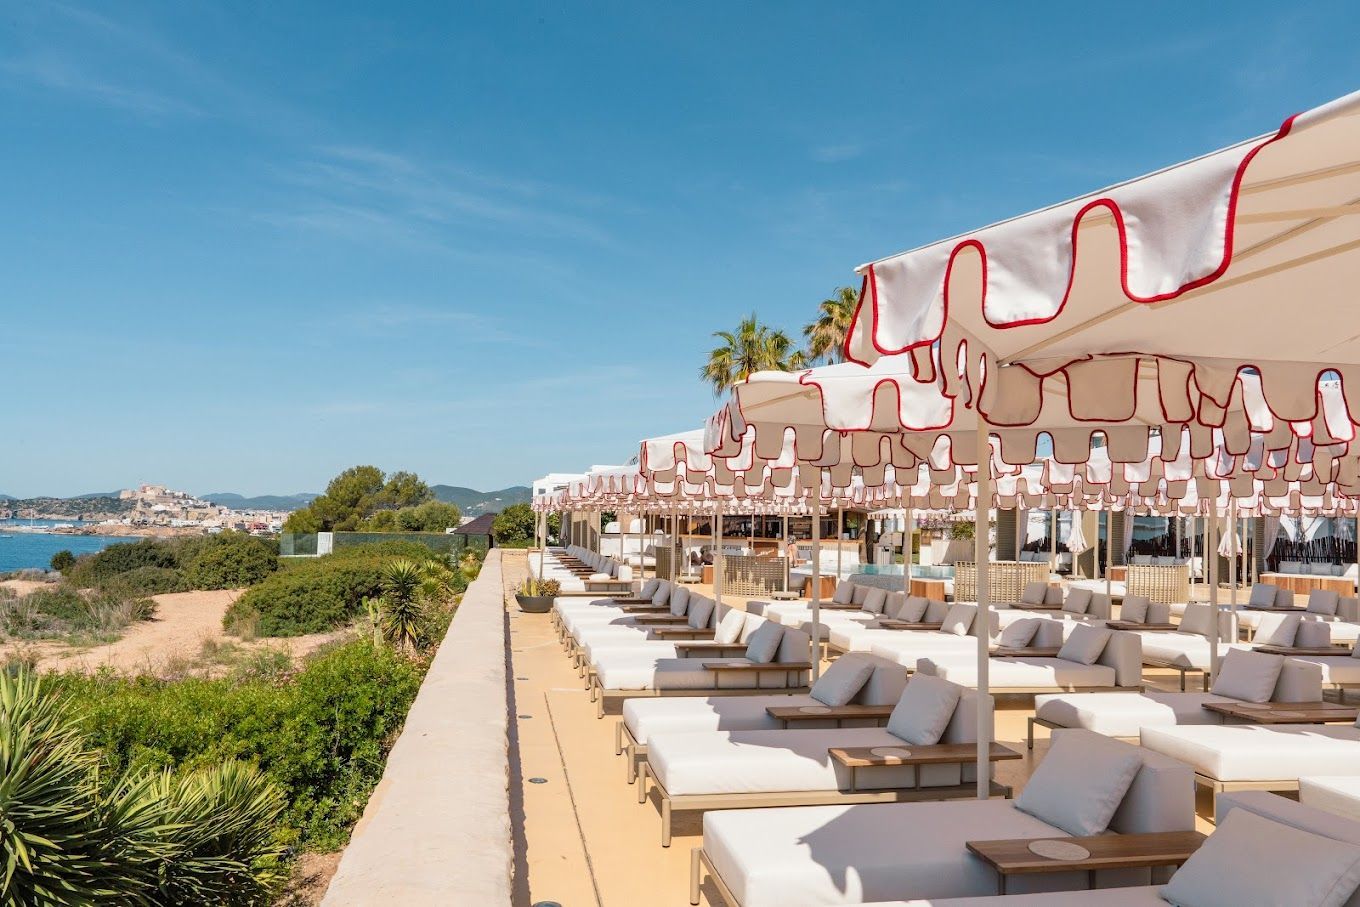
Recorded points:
1323,601
1313,633
763,642
1017,673
1275,629
689,714
875,600
859,594
1140,896
959,619
844,593
1197,619
923,712
868,852
729,628
842,681
700,610
750,762
1338,794
1034,593
649,673
1078,600
1125,714
661,594
1085,644
649,588
1241,752
680,596
1251,860
1080,783
1262,595
1134,608
1248,676
913,609
1018,634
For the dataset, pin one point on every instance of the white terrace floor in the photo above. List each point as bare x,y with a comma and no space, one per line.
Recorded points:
583,839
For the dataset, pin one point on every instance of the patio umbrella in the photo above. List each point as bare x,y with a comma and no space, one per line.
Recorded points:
1076,539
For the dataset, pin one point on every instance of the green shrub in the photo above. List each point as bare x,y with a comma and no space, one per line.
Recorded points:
63,560
322,735
231,560
145,581
309,597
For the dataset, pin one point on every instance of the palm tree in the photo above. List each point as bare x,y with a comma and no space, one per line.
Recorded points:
752,347
403,611
826,336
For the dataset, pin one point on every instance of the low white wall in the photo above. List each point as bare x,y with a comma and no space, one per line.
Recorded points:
437,828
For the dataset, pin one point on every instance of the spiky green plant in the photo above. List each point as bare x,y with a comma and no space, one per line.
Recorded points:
217,834
54,846
404,616
66,840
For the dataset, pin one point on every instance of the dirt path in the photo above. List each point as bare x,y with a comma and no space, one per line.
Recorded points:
184,621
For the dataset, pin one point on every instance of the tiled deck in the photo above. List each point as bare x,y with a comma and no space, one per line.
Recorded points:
585,839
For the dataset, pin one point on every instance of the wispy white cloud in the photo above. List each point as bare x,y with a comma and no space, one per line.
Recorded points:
59,73
343,187
834,154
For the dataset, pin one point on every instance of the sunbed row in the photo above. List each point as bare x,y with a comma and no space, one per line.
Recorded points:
837,794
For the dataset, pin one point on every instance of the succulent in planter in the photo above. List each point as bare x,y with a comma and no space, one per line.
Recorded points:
536,595
532,587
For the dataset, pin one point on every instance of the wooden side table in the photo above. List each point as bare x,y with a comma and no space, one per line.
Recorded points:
1014,857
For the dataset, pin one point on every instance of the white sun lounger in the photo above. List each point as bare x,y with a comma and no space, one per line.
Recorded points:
1126,714
1340,672
776,660
1256,757
1119,666
699,771
1272,861
684,714
823,855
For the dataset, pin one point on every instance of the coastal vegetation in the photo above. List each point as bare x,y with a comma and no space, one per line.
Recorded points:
363,498
229,560
59,611
312,595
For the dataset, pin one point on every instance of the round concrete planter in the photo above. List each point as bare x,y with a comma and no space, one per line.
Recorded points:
534,604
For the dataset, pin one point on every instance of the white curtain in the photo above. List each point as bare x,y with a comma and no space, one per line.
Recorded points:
1272,533
1128,533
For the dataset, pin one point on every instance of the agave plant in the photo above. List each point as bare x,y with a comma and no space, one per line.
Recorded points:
54,847
215,834
539,588
150,838
404,617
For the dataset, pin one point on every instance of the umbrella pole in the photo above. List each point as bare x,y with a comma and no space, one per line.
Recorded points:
1211,555
982,622
817,585
717,557
908,535
840,532
784,542
1232,559
1053,540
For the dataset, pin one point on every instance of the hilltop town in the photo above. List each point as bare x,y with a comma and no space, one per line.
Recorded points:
144,510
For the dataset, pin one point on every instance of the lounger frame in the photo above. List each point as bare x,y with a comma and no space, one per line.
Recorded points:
702,802
1054,726
1180,669
1217,787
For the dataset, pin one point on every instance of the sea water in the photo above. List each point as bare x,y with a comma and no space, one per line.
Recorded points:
25,550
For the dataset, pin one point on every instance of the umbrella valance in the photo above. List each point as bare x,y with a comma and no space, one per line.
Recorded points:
1187,281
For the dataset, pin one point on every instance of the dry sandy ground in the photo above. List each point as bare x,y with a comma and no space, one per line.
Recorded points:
184,621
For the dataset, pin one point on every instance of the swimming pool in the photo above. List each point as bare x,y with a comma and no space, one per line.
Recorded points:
918,570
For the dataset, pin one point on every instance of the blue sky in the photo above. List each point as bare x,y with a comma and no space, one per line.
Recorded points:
246,245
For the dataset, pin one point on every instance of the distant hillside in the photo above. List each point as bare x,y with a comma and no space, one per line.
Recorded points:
475,503
260,502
